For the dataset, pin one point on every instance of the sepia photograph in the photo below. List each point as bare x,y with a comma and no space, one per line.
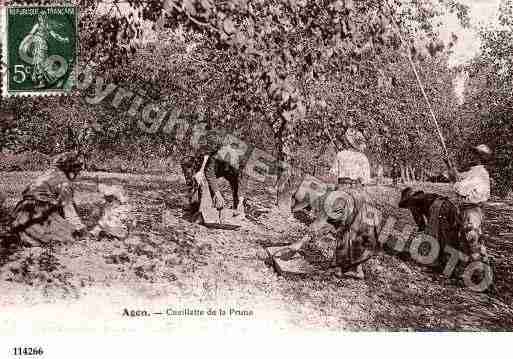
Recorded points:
207,167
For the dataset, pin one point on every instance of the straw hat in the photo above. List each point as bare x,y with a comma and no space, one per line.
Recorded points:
355,139
483,151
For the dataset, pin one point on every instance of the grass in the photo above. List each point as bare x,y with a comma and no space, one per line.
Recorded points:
188,264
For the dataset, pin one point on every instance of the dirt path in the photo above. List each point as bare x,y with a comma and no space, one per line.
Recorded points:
176,264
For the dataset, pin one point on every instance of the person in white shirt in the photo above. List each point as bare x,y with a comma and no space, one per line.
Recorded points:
340,238
351,166
473,190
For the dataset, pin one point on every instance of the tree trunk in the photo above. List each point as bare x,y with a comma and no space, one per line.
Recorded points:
284,137
411,173
283,195
403,174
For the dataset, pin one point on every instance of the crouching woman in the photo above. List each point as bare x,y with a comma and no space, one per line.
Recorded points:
47,213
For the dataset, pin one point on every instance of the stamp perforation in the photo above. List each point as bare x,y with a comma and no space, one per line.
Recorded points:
4,50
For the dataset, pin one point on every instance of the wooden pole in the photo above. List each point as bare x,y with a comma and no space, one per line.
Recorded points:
419,82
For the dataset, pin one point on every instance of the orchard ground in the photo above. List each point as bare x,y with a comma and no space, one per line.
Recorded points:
173,264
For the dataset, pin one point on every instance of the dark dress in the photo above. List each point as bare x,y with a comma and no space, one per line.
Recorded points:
192,162
46,213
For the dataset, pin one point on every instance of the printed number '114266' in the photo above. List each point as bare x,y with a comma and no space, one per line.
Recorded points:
26,351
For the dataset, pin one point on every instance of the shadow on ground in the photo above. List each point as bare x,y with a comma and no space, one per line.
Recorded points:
185,261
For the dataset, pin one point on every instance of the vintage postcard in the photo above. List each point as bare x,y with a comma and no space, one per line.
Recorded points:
233,167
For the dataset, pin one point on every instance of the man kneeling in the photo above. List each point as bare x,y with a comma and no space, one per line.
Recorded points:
435,215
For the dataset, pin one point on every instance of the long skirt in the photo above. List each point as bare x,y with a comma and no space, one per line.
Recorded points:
54,229
190,166
351,240
342,247
38,223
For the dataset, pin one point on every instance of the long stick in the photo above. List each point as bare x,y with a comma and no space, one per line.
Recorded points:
433,117
330,137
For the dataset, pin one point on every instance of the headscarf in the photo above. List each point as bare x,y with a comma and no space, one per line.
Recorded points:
483,151
68,162
355,139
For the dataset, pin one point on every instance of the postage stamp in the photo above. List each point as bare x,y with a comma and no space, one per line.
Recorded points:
39,49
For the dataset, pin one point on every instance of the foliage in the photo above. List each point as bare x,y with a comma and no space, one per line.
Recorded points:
281,74
488,109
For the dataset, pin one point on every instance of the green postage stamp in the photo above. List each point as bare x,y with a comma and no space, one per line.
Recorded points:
39,49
